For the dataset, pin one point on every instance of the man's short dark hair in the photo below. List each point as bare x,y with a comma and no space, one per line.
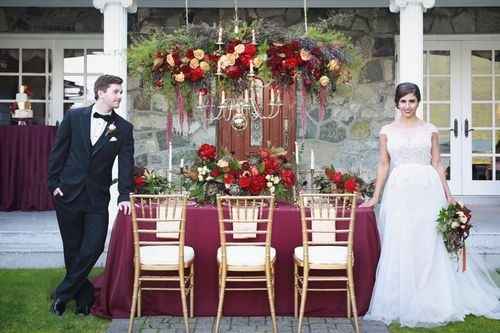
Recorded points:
104,81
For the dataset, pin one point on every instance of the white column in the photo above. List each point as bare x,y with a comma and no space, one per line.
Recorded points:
411,38
115,51
115,40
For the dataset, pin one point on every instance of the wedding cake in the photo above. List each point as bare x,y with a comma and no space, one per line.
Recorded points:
23,110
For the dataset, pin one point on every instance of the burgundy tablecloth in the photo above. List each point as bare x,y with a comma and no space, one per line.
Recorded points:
114,286
24,154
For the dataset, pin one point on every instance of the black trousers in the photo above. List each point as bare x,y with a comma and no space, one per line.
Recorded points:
83,232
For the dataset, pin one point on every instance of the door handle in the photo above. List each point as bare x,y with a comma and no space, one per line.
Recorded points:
455,128
467,129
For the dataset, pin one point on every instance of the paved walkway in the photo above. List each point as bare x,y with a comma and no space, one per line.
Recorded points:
245,325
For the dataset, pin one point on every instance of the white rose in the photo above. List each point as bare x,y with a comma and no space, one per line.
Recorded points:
222,163
271,189
112,127
210,178
276,180
269,184
200,178
268,177
455,225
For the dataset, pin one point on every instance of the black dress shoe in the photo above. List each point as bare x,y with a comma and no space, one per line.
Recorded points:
83,309
58,307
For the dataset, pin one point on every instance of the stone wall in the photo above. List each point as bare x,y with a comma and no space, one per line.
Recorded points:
347,137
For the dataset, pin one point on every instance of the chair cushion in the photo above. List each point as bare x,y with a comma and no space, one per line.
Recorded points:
246,255
323,254
164,254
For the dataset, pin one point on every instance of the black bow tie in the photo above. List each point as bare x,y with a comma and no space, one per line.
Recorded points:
105,117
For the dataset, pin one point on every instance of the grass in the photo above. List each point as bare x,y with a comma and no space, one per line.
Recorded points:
25,302
471,324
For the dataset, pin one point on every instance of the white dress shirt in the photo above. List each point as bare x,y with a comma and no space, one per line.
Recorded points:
97,126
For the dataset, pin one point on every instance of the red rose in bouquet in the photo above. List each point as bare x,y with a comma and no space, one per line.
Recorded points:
228,179
257,184
250,49
351,185
271,165
233,71
215,172
207,152
139,181
196,74
244,182
288,177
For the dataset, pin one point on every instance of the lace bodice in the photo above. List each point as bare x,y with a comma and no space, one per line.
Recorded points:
409,145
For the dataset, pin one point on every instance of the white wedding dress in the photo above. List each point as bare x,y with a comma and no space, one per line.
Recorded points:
417,283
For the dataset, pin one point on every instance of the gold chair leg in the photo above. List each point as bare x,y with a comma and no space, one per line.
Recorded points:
303,298
222,287
134,305
182,283
139,300
191,295
295,290
270,296
353,299
348,296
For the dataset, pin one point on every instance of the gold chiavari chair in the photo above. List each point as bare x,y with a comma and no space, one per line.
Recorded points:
327,244
158,223
245,226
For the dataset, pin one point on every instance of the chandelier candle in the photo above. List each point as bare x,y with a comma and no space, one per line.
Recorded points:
170,161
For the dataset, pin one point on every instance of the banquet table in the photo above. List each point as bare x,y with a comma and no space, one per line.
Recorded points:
24,155
114,285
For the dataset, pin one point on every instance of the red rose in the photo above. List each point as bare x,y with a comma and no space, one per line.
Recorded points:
207,152
337,177
139,181
231,44
257,184
288,177
351,185
271,165
228,179
250,49
254,171
290,63
244,182
215,172
233,72
190,54
196,74
245,59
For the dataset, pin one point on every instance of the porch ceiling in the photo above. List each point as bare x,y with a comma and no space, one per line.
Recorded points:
247,3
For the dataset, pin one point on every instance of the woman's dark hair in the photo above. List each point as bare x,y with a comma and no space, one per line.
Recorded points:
406,88
104,81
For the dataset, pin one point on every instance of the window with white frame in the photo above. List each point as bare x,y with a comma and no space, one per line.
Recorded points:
58,69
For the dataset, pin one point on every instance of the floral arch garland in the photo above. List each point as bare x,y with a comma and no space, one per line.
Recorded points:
192,62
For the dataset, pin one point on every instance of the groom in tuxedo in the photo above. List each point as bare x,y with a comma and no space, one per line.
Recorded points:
80,168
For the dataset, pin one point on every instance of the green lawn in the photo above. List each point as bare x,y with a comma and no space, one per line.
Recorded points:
470,325
25,302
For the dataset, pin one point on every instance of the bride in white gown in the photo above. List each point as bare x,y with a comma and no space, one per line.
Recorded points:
417,283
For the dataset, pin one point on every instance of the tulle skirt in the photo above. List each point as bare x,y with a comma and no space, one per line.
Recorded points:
417,282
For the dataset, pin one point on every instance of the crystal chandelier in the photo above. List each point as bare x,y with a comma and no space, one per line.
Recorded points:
242,105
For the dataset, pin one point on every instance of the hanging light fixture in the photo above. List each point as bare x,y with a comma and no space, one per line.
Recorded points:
239,107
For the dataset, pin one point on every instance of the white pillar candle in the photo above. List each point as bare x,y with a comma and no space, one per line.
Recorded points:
220,36
182,163
272,95
312,159
170,161
296,153
200,99
223,97
251,66
246,96
253,36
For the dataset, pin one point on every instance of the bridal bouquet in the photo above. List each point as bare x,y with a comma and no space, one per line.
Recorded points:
454,224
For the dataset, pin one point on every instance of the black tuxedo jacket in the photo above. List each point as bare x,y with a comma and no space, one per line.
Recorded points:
75,165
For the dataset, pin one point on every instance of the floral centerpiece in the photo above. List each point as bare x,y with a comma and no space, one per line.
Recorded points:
149,182
453,223
335,181
219,173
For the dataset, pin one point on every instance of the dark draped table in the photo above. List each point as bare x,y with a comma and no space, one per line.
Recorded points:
114,286
24,155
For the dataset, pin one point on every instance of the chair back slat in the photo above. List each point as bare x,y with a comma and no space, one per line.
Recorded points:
245,220
327,219
157,218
